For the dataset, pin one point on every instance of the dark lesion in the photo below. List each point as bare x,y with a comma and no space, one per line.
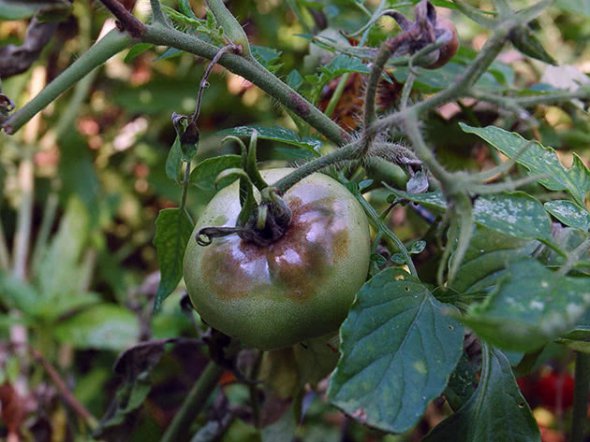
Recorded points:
294,265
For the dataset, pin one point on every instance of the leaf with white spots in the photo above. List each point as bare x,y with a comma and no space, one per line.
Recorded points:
496,412
399,349
512,213
485,262
539,160
569,214
531,306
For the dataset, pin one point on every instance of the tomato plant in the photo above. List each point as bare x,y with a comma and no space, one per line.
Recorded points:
298,287
457,130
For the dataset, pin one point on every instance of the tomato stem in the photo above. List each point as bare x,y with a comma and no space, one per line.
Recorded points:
581,390
194,403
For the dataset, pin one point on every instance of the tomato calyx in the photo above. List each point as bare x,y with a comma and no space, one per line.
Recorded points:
265,224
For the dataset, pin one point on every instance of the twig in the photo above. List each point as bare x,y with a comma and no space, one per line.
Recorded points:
64,391
16,59
205,79
157,13
574,256
111,44
194,403
382,227
126,19
581,390
255,73
461,86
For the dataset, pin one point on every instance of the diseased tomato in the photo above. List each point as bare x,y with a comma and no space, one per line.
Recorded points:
298,287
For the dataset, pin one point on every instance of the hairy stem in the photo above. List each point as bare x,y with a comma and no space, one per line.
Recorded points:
193,404
524,102
461,86
345,153
255,73
380,226
111,44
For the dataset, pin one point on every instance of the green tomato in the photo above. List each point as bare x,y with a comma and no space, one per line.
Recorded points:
297,288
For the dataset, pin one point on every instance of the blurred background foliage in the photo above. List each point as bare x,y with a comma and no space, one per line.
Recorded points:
83,183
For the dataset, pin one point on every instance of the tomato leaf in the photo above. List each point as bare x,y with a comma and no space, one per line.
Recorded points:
174,161
204,175
103,327
134,366
524,313
539,160
497,399
569,213
173,231
527,42
487,257
512,213
578,338
279,134
398,350
18,10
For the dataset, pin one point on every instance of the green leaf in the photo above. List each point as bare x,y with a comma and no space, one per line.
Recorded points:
134,366
173,231
78,174
18,10
137,50
578,338
527,42
487,257
60,270
398,350
539,160
102,327
276,133
496,412
174,161
530,307
512,213
566,239
294,79
270,58
580,7
569,214
18,294
204,175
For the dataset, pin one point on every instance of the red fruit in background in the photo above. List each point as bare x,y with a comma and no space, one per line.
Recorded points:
551,389
555,390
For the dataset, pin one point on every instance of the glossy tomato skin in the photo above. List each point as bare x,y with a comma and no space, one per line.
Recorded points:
299,287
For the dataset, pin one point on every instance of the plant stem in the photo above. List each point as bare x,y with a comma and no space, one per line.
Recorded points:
111,44
193,404
157,13
22,236
335,98
253,72
546,98
203,84
49,213
4,254
64,391
581,390
127,21
461,85
378,223
345,153
574,256
185,184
